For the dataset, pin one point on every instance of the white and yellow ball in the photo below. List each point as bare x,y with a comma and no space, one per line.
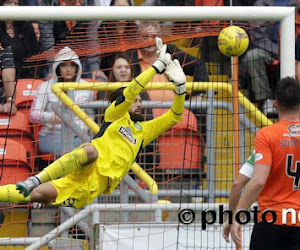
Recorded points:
233,41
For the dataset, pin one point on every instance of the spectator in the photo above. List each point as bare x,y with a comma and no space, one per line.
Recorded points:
7,82
35,24
117,29
52,32
263,52
55,31
218,63
144,57
66,67
22,39
120,71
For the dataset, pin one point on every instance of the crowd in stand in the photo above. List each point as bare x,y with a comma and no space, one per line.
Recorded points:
20,40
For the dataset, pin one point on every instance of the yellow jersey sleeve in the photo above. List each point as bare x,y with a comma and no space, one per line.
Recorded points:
120,107
155,127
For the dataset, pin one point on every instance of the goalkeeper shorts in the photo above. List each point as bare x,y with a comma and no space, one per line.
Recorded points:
80,187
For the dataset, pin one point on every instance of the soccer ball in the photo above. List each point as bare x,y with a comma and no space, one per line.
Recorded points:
233,41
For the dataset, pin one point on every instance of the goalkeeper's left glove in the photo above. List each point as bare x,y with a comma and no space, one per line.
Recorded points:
163,58
176,75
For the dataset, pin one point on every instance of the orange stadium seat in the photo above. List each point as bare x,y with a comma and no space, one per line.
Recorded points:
25,93
181,146
14,164
17,127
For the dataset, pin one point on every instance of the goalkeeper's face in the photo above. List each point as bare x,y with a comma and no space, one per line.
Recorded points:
135,110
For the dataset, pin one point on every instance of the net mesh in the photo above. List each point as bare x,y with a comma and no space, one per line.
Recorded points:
191,163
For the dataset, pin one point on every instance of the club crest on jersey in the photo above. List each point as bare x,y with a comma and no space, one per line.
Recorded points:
138,126
126,132
294,130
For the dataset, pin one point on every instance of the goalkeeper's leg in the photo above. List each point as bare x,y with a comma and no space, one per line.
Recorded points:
45,193
9,194
78,158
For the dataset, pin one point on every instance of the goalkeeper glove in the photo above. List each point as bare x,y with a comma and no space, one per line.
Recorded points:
163,59
176,75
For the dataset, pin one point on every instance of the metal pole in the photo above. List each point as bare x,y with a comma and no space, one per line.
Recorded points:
125,207
132,13
210,147
124,198
137,189
287,45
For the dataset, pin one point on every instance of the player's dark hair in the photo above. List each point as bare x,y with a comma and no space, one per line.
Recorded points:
287,93
114,95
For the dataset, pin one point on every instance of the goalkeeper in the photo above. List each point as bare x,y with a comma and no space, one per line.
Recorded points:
98,167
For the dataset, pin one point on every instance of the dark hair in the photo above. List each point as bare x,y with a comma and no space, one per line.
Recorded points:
20,29
287,93
57,71
125,56
114,95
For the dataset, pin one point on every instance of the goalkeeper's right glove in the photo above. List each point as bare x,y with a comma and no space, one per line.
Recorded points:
176,75
163,59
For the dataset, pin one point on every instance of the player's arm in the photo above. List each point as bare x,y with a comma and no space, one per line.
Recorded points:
234,197
9,80
156,127
257,182
121,106
261,159
253,189
239,183
236,190
245,174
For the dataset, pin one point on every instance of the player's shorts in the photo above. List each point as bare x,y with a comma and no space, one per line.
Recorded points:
80,187
275,237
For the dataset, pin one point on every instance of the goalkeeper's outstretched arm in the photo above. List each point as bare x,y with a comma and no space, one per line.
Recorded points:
121,106
156,127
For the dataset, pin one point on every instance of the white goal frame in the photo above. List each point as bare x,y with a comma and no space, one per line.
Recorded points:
286,16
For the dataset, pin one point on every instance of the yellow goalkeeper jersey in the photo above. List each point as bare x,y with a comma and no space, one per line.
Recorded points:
120,139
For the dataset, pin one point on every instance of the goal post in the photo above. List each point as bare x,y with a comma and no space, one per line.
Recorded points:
211,189
286,16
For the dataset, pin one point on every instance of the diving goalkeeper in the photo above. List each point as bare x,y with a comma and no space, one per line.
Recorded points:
96,168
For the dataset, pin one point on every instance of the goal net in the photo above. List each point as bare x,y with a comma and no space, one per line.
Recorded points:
190,166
